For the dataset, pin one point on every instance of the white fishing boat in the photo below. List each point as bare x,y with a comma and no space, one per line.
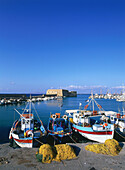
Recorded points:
92,124
121,98
27,130
119,122
96,96
2,102
93,128
108,96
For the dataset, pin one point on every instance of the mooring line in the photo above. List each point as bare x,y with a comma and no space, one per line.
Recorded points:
72,139
39,141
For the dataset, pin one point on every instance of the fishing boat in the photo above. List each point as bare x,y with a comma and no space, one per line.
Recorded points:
92,124
121,98
59,127
93,127
2,102
27,130
120,126
119,122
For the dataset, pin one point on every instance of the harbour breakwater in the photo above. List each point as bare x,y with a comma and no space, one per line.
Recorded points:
6,99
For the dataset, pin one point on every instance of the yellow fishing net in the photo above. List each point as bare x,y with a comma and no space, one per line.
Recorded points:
47,153
110,147
64,151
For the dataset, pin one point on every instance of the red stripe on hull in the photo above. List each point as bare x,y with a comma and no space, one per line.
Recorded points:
95,133
23,141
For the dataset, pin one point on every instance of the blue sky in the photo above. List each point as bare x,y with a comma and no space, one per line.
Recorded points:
78,45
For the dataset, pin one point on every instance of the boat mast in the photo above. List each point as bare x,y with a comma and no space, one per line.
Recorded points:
80,105
92,101
30,105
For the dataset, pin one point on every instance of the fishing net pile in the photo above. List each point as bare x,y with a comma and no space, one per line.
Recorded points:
47,153
110,147
64,151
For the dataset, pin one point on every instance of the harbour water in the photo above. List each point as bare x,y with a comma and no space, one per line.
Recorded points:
44,108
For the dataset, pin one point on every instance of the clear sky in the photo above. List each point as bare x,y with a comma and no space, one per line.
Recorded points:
73,44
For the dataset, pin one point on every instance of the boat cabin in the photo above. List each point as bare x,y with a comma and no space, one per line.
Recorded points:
56,123
113,119
79,118
26,123
71,112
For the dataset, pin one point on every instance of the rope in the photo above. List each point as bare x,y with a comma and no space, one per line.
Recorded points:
73,139
19,112
25,107
120,134
36,112
92,99
97,105
54,139
39,141
89,102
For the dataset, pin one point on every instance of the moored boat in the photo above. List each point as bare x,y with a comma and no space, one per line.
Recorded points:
119,122
59,127
92,124
93,128
27,129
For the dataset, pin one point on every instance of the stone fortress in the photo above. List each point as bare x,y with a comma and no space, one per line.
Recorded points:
61,92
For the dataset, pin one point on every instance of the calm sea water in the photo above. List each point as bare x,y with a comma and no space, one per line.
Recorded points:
44,108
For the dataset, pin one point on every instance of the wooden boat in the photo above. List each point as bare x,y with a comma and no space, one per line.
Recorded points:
93,128
27,129
89,123
119,122
59,127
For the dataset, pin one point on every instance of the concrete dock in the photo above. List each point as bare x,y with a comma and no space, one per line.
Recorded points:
25,158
